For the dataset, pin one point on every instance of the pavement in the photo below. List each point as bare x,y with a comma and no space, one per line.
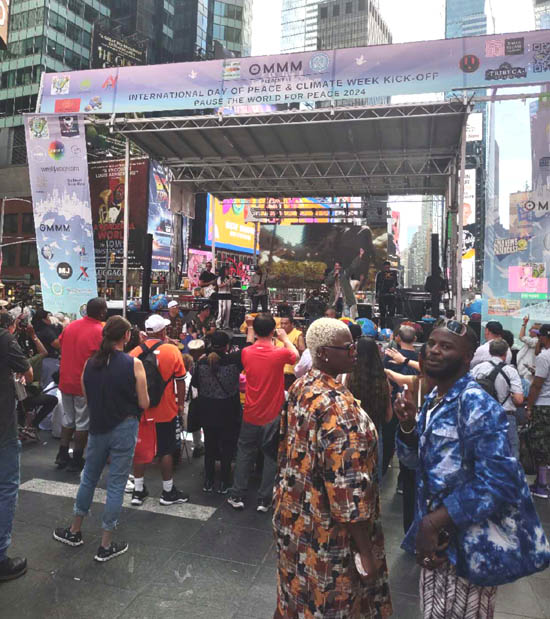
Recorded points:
202,560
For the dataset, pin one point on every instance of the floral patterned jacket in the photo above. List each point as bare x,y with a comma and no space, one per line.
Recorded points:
463,461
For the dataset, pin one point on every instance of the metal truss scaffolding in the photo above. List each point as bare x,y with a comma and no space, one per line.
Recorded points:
370,151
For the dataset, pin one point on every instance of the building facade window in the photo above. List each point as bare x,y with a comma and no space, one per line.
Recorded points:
11,224
27,223
28,255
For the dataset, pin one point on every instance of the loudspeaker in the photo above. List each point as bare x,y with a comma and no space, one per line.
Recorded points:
146,281
435,253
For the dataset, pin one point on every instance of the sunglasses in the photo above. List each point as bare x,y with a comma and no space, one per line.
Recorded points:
458,328
350,348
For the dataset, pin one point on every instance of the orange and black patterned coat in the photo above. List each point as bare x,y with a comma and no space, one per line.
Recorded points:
327,479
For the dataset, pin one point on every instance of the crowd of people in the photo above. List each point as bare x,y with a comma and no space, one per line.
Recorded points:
320,412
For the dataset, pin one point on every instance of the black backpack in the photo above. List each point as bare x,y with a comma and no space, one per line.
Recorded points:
488,382
155,383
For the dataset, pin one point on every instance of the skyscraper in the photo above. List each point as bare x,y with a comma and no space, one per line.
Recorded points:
153,20
232,25
472,18
43,36
199,24
350,23
299,25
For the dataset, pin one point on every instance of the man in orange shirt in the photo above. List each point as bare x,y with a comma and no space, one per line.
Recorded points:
171,368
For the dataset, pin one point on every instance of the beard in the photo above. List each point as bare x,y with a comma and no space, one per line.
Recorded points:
445,369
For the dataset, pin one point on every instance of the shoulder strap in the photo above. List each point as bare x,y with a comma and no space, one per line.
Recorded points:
494,373
152,349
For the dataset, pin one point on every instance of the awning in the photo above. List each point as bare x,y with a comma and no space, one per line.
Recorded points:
367,151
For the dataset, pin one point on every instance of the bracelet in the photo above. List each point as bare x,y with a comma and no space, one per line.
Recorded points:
405,431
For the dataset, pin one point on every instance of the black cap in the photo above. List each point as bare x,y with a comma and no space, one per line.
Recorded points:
494,327
544,330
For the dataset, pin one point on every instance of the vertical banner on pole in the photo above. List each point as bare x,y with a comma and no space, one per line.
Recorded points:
58,169
160,220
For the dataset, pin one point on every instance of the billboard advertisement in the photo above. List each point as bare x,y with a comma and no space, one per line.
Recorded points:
107,196
375,71
232,231
111,50
160,219
468,232
58,169
197,264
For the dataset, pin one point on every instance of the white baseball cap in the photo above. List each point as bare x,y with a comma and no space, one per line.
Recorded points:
173,304
156,323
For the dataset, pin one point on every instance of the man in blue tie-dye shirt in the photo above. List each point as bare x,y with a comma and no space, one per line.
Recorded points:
466,480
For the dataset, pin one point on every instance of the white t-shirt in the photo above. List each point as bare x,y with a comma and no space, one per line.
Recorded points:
542,370
304,365
526,356
501,386
483,354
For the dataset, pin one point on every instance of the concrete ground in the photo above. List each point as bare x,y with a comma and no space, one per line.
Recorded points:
200,560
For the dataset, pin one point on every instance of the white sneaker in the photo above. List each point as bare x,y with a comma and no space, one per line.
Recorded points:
130,486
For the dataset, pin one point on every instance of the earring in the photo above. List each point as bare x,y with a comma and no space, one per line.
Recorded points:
326,359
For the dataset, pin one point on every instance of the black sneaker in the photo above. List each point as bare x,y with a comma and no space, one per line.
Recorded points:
139,496
62,459
10,569
208,486
223,488
198,451
65,536
236,502
263,506
75,465
172,497
114,550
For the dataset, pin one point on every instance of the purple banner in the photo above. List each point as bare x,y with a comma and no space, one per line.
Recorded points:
374,71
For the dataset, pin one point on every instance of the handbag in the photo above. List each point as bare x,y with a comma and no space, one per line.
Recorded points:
509,545
20,390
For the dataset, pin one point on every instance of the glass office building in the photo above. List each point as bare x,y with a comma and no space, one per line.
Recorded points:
232,25
299,25
44,35
542,14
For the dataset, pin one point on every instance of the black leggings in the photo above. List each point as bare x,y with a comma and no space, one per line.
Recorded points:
46,403
219,444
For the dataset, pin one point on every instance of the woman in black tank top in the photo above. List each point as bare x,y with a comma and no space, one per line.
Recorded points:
116,391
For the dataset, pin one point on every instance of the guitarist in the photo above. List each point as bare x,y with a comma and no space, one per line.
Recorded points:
207,281
258,289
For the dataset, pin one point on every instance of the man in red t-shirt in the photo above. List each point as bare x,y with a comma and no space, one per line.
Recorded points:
171,368
79,341
265,393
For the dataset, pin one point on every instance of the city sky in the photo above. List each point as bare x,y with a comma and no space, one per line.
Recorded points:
414,21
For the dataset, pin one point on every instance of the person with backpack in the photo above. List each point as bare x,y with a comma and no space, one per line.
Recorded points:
115,387
503,383
165,373
216,377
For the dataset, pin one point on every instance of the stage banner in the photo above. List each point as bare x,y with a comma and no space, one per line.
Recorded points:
160,219
58,170
196,264
107,197
487,61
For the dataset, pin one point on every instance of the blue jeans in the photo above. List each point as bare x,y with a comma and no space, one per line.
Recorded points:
119,445
513,436
9,485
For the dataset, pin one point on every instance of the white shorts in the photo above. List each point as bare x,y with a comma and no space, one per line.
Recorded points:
75,412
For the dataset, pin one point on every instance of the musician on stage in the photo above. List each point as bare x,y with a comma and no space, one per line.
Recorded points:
436,285
258,289
207,281
386,292
341,295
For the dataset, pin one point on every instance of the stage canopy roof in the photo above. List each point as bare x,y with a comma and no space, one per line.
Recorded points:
367,151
